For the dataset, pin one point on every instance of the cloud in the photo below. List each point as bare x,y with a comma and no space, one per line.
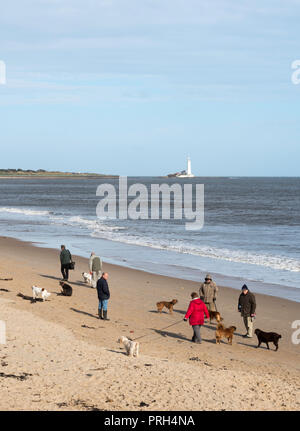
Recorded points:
145,50
81,88
94,17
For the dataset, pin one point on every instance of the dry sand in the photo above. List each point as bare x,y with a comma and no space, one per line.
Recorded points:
60,356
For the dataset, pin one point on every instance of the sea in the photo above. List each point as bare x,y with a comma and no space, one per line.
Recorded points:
251,231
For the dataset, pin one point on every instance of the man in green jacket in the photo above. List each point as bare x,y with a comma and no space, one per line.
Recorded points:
65,260
95,265
247,307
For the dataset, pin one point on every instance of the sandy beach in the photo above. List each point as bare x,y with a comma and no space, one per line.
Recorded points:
60,356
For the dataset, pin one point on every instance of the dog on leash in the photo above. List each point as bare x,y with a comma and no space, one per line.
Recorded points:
40,291
223,332
87,278
131,347
66,289
267,337
169,305
215,315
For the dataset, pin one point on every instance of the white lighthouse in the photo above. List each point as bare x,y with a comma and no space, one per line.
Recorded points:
189,168
188,172
184,174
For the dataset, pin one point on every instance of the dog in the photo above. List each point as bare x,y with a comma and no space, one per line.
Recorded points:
267,337
66,289
36,291
215,315
131,347
223,332
87,278
168,305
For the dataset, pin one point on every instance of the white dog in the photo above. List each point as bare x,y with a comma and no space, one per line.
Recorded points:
36,291
132,347
87,278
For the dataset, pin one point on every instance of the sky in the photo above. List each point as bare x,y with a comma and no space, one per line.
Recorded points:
132,87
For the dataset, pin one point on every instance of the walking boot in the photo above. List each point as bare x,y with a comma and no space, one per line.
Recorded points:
100,313
105,315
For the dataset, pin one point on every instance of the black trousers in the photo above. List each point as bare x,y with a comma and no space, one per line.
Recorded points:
65,271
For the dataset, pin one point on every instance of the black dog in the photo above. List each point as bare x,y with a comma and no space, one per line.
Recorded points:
267,337
66,289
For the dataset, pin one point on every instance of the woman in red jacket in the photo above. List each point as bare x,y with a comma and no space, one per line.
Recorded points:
195,313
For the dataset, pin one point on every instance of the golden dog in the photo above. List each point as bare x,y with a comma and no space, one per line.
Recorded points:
169,305
223,332
215,315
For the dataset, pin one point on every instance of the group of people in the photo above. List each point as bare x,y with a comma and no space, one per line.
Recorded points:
200,305
205,302
99,278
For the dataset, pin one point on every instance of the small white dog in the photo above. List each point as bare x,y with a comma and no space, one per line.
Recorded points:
36,291
132,347
87,278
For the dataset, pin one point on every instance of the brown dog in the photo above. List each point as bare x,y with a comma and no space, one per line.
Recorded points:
215,315
267,337
223,332
168,305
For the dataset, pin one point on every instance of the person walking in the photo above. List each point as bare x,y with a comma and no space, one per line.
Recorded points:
195,314
65,260
247,307
103,296
95,265
208,293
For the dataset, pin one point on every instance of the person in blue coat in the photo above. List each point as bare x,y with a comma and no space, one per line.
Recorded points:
103,296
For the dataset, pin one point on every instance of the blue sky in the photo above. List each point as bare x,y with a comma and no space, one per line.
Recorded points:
132,87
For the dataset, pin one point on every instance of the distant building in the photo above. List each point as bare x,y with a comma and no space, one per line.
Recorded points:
186,173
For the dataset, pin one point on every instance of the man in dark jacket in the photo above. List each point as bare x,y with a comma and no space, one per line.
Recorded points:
65,260
247,307
103,296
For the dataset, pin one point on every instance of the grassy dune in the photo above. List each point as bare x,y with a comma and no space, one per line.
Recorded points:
42,173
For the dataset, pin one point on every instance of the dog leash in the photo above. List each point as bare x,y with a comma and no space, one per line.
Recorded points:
215,305
161,329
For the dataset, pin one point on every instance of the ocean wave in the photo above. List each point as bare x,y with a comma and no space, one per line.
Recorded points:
24,211
239,256
94,225
100,229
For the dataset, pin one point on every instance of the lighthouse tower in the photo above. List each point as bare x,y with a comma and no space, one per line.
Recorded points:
186,173
189,167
